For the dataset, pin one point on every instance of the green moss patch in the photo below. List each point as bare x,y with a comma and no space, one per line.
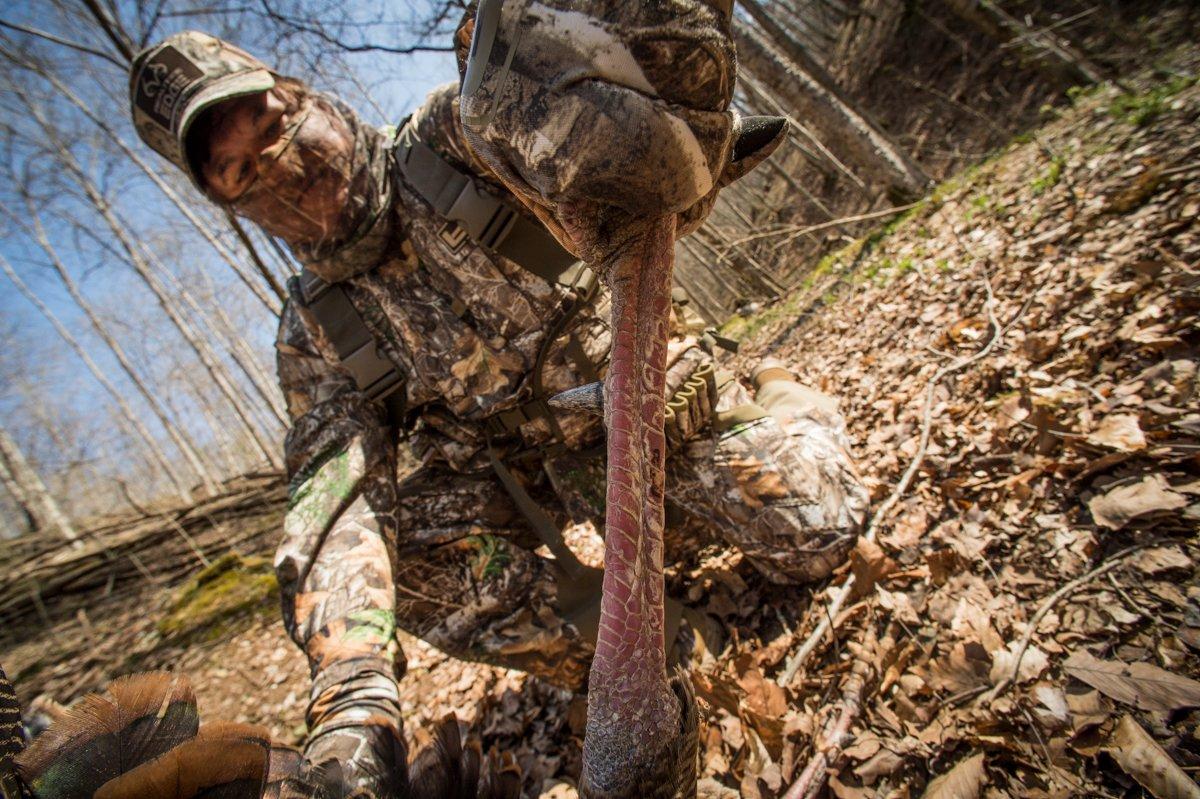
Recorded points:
231,590
1140,109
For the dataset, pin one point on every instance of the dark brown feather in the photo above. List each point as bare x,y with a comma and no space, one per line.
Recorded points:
224,761
12,741
141,740
436,771
446,768
283,773
394,783
138,719
501,778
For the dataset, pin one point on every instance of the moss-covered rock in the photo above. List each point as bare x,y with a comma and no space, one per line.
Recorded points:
232,589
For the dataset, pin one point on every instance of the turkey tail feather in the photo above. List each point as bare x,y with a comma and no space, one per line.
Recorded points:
142,739
12,741
689,734
437,769
501,777
448,769
224,761
139,718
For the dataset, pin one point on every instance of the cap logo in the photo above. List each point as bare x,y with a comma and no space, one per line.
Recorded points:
162,82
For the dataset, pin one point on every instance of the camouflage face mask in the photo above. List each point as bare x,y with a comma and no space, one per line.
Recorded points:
304,190
316,187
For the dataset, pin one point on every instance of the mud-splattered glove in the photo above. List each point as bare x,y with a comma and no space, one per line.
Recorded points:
596,114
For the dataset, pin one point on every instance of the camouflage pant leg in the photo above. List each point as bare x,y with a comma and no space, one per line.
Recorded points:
783,490
469,582
335,579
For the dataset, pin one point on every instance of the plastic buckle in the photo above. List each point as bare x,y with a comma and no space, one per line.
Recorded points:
509,422
311,286
486,218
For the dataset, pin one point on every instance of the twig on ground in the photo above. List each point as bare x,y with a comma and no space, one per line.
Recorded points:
1129,601
812,779
839,598
1045,607
800,230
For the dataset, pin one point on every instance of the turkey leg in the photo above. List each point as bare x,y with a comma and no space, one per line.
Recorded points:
632,709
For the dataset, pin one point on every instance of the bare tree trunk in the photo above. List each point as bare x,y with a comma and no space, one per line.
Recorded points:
833,116
810,29
285,258
44,508
231,455
820,156
1041,48
208,358
24,504
862,42
213,316
131,417
724,286
747,267
178,436
252,251
138,259
693,272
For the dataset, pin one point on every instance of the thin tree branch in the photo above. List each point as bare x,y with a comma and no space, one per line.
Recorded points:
1050,601
50,37
304,27
797,660
112,29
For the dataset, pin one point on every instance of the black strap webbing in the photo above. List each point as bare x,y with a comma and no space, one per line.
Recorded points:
373,373
541,522
489,220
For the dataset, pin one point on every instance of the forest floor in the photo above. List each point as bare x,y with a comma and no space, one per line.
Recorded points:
1018,354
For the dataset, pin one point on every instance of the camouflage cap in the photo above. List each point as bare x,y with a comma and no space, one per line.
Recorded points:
173,81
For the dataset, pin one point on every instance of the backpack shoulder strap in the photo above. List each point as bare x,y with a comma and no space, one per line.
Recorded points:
487,218
374,373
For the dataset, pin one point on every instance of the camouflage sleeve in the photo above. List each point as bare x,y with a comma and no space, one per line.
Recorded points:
438,124
334,563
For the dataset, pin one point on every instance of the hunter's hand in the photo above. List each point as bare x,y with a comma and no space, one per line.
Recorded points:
599,114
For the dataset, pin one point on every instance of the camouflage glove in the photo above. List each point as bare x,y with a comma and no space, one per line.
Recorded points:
597,114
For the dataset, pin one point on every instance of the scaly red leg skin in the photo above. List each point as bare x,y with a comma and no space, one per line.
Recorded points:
631,708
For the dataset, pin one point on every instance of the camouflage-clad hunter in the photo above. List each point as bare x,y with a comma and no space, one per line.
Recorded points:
446,552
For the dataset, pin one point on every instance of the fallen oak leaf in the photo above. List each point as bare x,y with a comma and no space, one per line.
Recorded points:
881,764
869,563
964,781
1033,662
1145,761
761,695
1119,431
1160,560
964,668
1141,685
716,692
1123,504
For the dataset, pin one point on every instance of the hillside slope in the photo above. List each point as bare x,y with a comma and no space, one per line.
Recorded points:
1026,613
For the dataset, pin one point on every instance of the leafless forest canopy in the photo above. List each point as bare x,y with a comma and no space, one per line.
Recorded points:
138,318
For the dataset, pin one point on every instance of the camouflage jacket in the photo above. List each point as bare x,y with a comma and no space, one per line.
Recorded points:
464,324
